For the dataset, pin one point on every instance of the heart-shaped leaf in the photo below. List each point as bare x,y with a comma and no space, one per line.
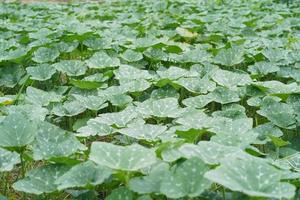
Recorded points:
187,179
143,131
252,176
102,60
71,67
128,158
41,180
82,175
17,131
53,142
8,160
43,55
41,72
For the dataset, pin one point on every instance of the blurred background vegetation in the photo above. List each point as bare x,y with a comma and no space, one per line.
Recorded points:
69,1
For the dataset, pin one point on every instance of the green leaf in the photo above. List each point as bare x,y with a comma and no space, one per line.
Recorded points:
71,67
2,197
194,119
120,100
263,68
40,97
121,193
83,175
31,112
85,84
17,131
265,130
54,142
164,92
277,87
252,176
41,180
134,85
4,101
119,119
220,95
232,111
68,109
122,157
41,72
294,161
10,76
230,57
43,55
169,151
67,47
101,60
231,79
92,102
275,55
144,131
208,151
131,56
186,179
144,197
98,43
167,107
126,72
280,114
196,85
193,56
172,73
278,142
185,33
8,160
156,54
93,128
151,183
233,132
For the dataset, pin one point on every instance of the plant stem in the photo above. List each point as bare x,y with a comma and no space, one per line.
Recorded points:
256,120
6,185
223,194
127,178
23,171
20,92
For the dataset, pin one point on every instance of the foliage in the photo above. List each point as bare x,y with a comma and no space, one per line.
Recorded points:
131,99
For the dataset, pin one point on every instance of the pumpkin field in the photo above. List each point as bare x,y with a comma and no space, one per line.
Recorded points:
150,100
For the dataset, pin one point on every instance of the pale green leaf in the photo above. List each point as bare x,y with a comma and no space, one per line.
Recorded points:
8,160
231,79
43,55
150,183
208,151
71,67
129,158
17,131
54,142
230,57
41,180
187,179
144,131
102,60
132,56
254,177
121,193
68,109
82,175
167,107
41,72
41,97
